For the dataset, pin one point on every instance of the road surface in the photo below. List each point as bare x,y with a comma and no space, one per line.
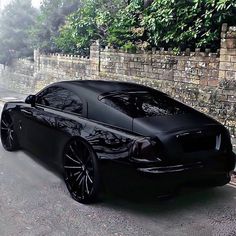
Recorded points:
35,201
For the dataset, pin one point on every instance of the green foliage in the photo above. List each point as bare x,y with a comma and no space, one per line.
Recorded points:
71,26
15,21
90,22
180,23
142,24
125,31
51,16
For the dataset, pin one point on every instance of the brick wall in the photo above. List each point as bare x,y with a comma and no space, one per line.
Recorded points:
204,80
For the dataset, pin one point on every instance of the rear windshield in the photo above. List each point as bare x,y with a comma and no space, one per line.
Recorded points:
143,103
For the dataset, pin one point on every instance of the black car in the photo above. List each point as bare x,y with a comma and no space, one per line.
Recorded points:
136,132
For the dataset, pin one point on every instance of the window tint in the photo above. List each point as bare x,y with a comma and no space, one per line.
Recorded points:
52,97
144,104
73,104
60,98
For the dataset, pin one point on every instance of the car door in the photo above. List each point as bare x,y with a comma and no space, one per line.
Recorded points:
50,123
68,122
40,121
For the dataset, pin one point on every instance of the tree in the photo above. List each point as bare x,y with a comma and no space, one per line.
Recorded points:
126,30
172,23
181,23
50,18
90,22
15,21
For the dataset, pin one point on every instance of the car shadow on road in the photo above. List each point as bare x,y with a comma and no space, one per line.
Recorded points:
186,198
48,165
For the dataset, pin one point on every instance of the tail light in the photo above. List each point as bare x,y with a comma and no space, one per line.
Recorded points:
145,150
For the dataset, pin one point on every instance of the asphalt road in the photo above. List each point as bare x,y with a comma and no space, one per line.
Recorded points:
35,201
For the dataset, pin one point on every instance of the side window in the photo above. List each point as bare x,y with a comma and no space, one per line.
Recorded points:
73,104
52,97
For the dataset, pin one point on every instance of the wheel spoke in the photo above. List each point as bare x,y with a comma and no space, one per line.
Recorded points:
10,135
81,180
89,158
4,128
9,140
73,167
80,150
77,173
77,179
82,187
73,175
75,154
86,184
4,123
89,177
78,162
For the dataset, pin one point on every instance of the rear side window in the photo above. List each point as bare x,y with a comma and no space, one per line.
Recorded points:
73,104
144,104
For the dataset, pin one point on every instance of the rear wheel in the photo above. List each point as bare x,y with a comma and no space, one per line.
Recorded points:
81,172
8,135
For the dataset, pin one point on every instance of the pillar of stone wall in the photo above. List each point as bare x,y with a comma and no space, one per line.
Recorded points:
227,77
95,60
36,60
228,53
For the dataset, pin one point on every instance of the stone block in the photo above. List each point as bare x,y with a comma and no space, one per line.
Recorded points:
233,58
213,83
230,75
225,57
231,98
223,51
214,74
226,65
213,65
203,82
222,74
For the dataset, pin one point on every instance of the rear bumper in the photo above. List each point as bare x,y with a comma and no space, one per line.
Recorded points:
136,180
218,164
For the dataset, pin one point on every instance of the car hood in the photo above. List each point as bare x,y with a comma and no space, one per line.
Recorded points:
161,124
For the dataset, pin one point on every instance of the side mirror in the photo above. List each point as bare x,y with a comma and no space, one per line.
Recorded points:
31,99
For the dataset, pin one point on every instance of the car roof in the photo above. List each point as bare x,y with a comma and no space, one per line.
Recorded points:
100,86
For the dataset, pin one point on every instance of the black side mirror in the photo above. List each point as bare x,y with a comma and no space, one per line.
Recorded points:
31,100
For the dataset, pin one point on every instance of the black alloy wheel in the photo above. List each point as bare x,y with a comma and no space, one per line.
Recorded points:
8,135
81,171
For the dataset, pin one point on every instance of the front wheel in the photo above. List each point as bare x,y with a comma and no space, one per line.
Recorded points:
8,135
81,172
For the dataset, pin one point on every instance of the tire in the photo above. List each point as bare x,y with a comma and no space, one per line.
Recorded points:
8,135
81,172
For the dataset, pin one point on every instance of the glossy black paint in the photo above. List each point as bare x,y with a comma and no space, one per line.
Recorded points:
187,144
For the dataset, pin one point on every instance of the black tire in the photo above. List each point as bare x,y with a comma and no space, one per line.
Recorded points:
81,172
8,135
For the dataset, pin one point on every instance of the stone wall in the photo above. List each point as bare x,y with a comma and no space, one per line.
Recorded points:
19,76
204,80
